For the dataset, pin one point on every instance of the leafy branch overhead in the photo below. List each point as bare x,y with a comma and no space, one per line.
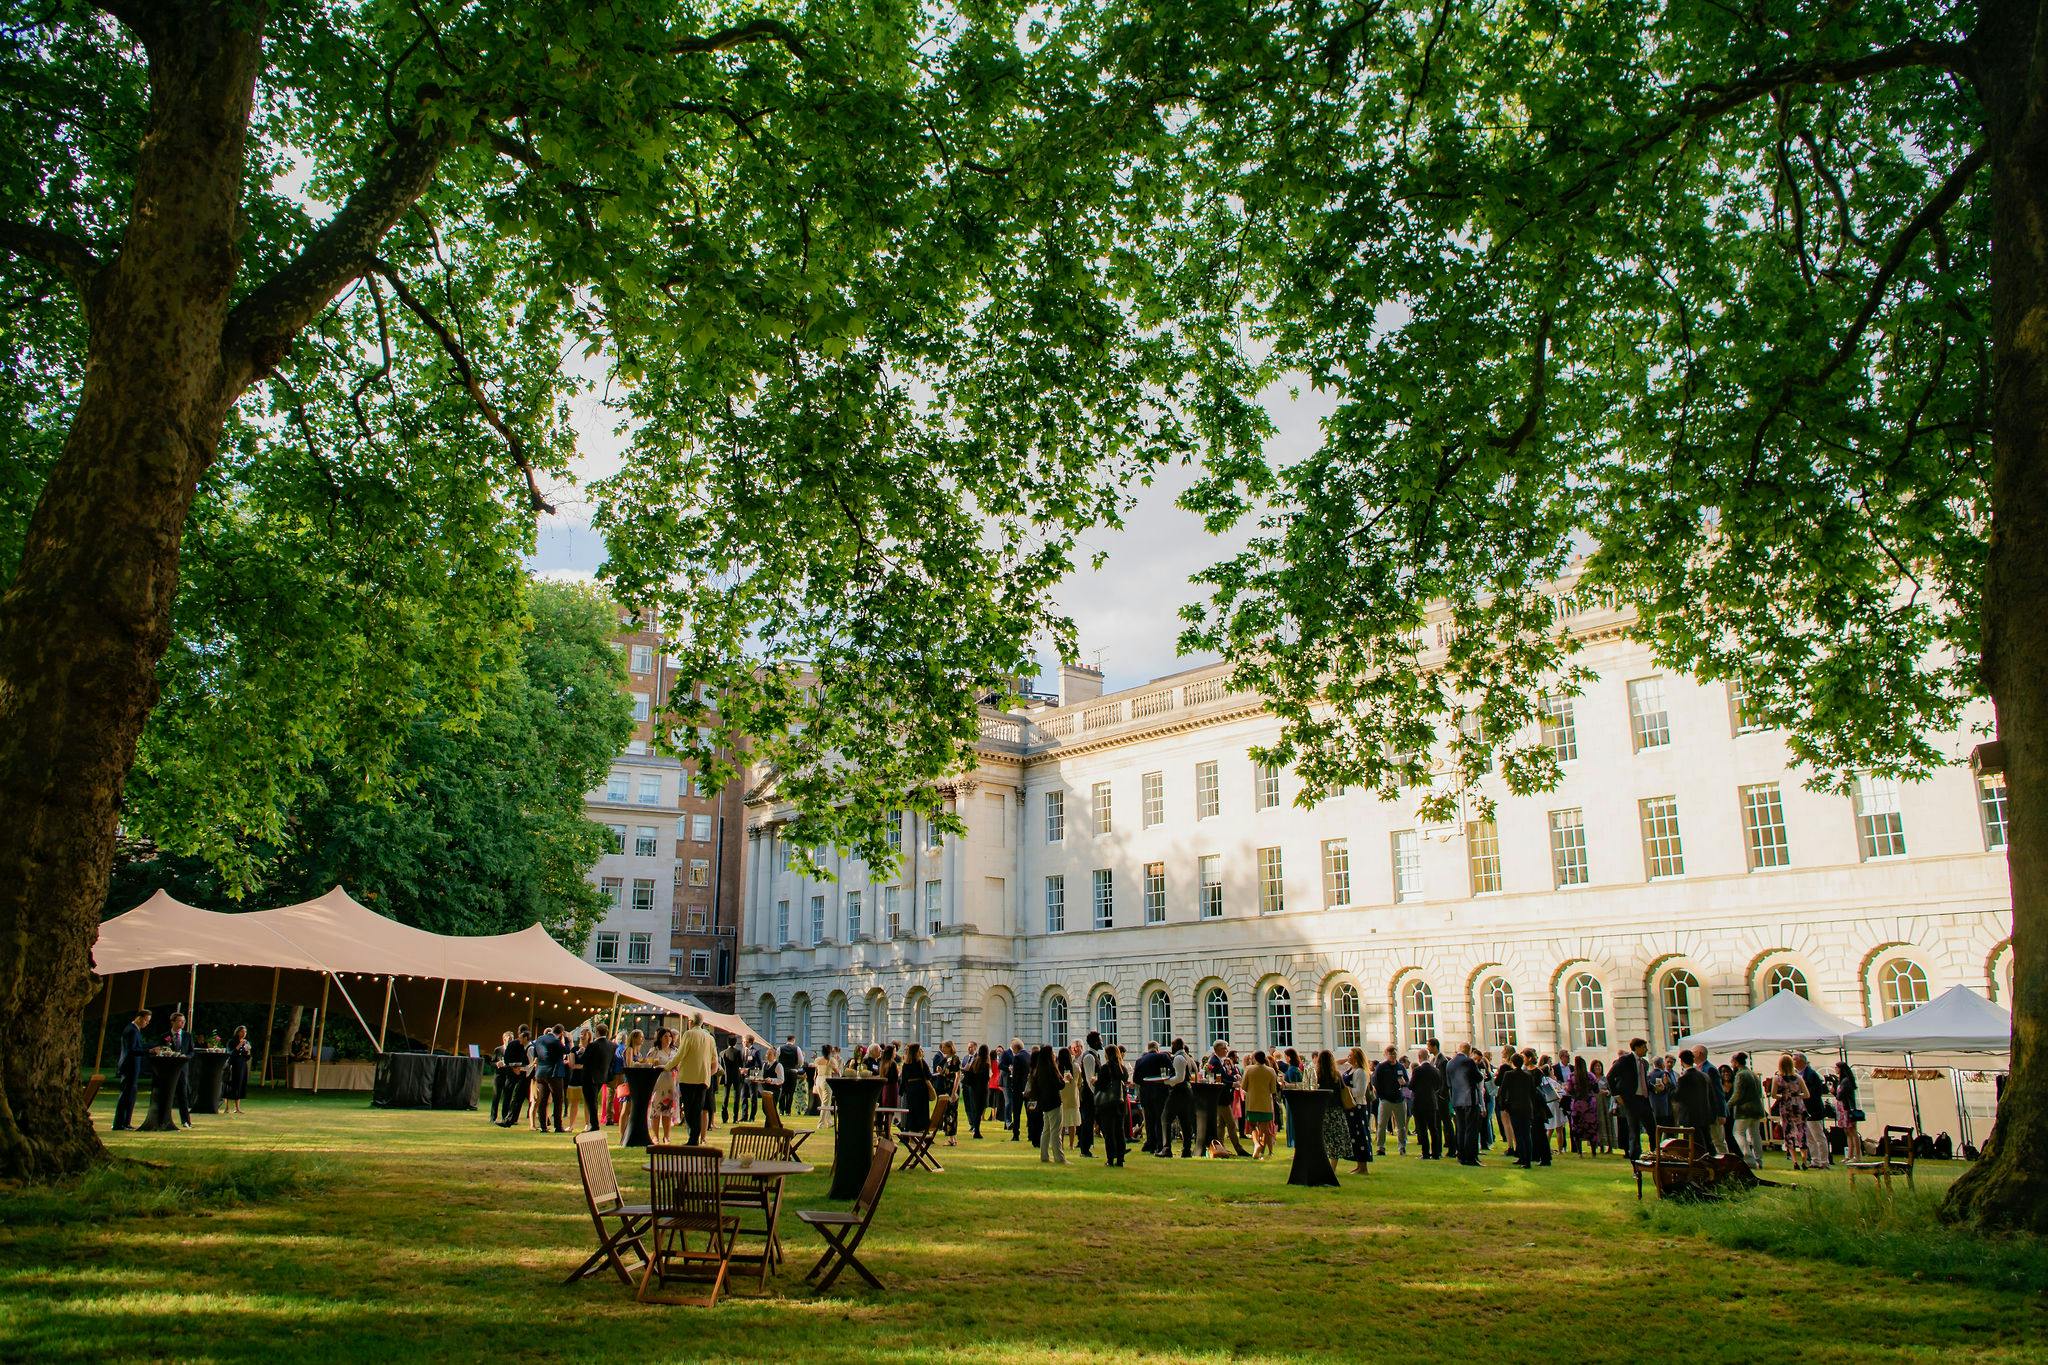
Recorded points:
1679,304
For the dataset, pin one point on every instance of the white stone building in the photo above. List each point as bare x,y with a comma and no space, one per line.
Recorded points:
1128,867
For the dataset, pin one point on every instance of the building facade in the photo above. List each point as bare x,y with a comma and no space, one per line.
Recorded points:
1127,867
671,872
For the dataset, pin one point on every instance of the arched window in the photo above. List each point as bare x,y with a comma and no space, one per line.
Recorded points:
1159,1016
1056,1020
835,1019
1418,1012
1216,1014
1497,1009
1347,1029
1901,987
921,1019
1105,1017
1783,976
1279,1017
1680,996
767,1017
878,1018
1586,1009
802,1007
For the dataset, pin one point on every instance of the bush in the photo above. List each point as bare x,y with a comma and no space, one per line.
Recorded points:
136,1189
1900,1232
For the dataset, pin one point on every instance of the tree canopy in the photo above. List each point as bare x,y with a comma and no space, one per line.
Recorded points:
481,828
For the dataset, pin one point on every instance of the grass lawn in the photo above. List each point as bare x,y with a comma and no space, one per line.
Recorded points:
404,1236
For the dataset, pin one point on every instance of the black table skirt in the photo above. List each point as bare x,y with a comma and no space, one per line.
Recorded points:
1305,1109
427,1080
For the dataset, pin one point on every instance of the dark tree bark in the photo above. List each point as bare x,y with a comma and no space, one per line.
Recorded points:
2008,1186
88,614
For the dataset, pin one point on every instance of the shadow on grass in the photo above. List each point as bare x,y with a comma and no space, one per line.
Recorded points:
1899,1231
145,1189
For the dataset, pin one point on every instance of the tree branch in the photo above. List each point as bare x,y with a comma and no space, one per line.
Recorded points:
470,383
260,329
739,35
58,252
1936,208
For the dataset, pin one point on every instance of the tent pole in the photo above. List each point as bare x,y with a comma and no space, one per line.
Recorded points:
192,1002
269,1024
1913,1092
435,1041
142,996
461,999
99,1055
320,1030
384,1024
615,1014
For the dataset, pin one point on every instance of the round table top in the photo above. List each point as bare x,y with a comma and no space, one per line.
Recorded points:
764,1169
645,1066
884,1110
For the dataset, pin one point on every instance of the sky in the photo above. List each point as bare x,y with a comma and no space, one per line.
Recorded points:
1126,613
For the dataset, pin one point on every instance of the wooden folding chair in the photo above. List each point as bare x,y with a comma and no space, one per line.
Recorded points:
687,1198
752,1193
772,1121
917,1146
1668,1170
843,1231
1886,1162
607,1206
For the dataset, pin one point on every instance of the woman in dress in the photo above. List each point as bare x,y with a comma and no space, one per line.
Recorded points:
826,1067
662,1109
1584,1096
1788,1093
917,1090
239,1052
1070,1096
892,1084
1358,1117
1042,1091
1846,1112
1339,1140
945,1083
1603,1103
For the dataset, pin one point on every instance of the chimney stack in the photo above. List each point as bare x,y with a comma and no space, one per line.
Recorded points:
1079,683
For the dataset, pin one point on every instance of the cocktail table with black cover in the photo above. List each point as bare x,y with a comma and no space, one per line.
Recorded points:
164,1071
1305,1108
209,1070
1210,1097
640,1090
853,1144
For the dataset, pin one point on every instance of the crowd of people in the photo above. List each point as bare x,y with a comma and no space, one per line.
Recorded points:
1454,1106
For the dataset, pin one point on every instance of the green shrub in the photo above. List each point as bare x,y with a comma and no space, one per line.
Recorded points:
135,1189
1898,1231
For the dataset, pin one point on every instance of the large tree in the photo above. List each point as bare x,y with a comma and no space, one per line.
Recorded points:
895,293
480,827
1747,304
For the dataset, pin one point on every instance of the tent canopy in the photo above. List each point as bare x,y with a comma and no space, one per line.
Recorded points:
1786,1021
504,980
1958,1020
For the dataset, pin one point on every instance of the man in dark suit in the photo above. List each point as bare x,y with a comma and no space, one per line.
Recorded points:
134,1047
1016,1064
549,1055
1148,1075
1519,1098
1694,1101
1628,1080
792,1059
516,1062
1463,1087
1426,1093
732,1063
179,1039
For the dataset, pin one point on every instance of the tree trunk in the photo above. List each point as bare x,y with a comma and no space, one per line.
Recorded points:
2008,1186
88,614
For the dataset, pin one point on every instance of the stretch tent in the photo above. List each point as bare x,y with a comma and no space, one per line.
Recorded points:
1786,1021
1958,1020
446,991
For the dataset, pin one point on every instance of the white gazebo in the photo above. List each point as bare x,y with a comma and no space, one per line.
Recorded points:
1787,1021
1957,1023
